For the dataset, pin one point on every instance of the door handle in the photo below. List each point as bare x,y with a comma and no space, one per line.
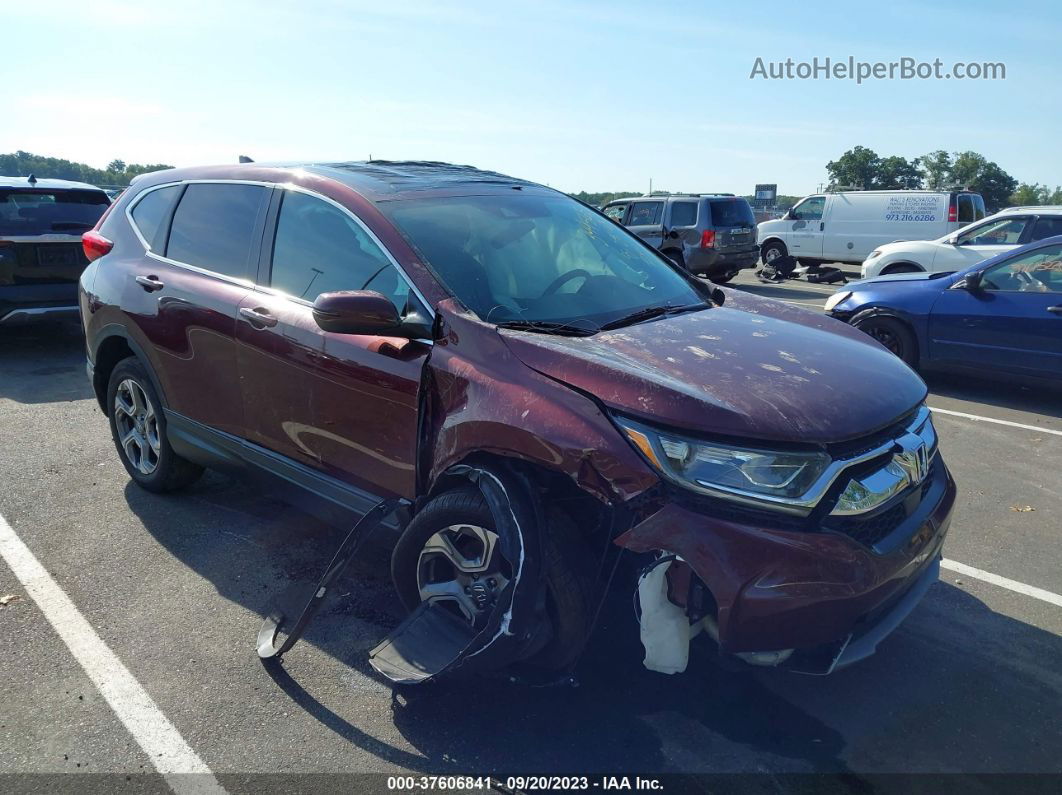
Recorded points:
1056,309
822,225
150,283
260,318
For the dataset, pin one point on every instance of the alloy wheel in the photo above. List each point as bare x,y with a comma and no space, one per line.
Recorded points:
463,567
137,422
887,338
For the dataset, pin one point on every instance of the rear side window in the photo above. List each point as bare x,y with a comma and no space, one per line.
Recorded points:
151,210
50,212
646,213
214,225
1047,226
736,212
615,212
318,248
684,214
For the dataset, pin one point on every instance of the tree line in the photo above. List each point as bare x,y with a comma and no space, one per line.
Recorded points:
862,168
117,174
859,168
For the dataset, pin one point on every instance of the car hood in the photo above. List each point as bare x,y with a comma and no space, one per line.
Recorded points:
909,247
753,369
937,279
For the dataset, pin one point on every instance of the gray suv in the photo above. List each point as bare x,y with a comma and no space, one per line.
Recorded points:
710,234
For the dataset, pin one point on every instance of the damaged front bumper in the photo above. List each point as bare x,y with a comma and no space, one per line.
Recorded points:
811,600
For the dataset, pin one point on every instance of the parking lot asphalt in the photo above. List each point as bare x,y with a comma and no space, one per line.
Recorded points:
176,586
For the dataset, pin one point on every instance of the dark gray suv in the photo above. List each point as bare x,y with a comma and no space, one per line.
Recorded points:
710,234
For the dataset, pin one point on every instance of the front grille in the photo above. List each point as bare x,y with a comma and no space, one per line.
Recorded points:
873,529
870,530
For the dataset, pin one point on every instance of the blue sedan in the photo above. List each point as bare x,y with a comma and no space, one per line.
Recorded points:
1003,314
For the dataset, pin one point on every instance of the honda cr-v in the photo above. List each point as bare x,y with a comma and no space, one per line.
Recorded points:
535,385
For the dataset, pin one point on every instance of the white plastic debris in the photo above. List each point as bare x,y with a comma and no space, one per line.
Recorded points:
665,629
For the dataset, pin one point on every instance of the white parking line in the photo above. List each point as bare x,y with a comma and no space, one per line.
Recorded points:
1002,582
978,418
182,768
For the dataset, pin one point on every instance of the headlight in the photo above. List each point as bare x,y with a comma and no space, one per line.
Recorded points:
875,253
781,479
836,298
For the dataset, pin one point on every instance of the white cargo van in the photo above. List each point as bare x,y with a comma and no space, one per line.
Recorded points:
847,226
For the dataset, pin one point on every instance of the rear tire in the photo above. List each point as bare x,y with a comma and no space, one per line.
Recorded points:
138,427
722,278
567,585
893,334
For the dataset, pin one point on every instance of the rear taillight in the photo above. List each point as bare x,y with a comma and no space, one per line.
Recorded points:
953,210
95,245
708,238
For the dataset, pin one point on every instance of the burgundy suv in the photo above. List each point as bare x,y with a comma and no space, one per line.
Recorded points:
534,384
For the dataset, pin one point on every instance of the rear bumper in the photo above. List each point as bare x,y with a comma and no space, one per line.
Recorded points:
32,302
709,260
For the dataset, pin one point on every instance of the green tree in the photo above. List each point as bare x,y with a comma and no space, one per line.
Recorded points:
22,164
936,168
966,167
857,168
116,166
898,173
974,171
1028,194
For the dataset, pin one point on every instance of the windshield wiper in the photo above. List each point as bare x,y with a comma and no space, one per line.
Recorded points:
651,312
548,327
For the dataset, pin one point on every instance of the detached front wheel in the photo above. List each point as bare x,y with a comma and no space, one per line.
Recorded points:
450,554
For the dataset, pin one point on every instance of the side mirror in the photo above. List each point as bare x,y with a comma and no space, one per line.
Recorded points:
357,312
953,240
791,215
970,282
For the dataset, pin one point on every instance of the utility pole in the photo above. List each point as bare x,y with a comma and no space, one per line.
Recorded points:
650,186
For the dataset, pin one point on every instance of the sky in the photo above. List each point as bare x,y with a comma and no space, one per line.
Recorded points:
594,96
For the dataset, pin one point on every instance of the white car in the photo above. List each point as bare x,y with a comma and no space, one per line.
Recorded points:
978,241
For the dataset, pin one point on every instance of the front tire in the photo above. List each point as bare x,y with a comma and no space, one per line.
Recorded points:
894,335
138,427
448,553
900,267
772,250
722,278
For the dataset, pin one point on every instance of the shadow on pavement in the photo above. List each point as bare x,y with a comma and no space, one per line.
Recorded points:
958,688
43,363
1044,399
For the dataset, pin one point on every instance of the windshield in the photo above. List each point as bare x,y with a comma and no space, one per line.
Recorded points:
540,259
48,212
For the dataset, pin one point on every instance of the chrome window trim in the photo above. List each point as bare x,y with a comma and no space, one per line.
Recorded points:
806,503
372,236
252,283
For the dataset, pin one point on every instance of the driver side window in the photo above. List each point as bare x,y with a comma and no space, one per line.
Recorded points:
1038,271
318,248
809,209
